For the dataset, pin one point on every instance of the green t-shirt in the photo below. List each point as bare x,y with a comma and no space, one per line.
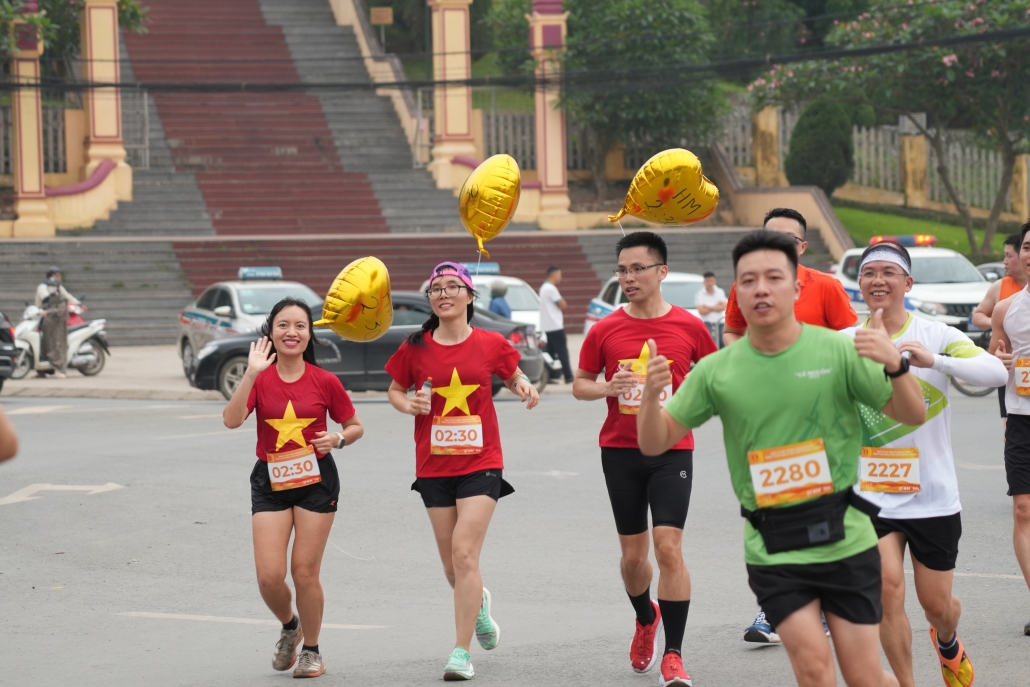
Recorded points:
808,391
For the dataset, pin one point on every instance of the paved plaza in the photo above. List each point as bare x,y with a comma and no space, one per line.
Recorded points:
144,574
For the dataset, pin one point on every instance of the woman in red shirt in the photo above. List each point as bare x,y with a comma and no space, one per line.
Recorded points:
294,487
458,459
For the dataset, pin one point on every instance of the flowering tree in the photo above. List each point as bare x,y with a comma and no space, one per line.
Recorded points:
982,86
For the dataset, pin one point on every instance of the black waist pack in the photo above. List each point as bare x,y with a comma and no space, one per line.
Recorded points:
813,523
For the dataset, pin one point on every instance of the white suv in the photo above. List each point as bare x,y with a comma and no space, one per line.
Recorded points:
947,286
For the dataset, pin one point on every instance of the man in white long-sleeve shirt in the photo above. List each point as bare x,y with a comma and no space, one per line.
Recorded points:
909,472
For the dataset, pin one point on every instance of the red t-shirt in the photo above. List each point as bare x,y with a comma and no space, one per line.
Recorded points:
463,386
823,302
680,337
290,413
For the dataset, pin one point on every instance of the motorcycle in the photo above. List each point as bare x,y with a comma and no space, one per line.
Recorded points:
87,343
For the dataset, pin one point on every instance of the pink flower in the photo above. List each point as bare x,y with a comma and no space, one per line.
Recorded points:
950,60
969,73
995,74
977,21
790,74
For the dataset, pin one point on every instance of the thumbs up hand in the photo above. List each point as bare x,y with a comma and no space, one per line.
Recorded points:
659,373
1004,355
875,343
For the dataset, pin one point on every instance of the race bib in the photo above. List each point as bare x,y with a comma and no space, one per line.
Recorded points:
456,436
791,473
1022,368
293,469
890,470
629,402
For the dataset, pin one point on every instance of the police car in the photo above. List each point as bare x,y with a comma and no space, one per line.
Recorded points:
236,307
947,286
678,288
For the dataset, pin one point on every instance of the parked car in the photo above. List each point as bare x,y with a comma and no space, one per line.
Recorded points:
992,271
678,288
8,351
221,363
235,307
947,286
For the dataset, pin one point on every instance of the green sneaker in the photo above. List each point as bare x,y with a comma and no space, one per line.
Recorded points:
459,666
488,632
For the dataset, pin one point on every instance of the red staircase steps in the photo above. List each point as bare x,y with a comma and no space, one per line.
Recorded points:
316,261
266,163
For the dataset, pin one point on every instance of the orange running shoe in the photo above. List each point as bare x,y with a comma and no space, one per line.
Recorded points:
958,671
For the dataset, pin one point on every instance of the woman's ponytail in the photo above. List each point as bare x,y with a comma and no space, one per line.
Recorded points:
430,325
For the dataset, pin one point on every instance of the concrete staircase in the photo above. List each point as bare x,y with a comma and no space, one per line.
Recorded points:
137,286
365,126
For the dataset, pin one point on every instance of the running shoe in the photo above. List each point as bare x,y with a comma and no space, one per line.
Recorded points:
309,664
1026,629
761,632
672,671
958,671
286,648
488,632
459,666
643,652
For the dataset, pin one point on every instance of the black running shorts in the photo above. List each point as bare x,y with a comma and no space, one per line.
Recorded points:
442,492
1001,401
1017,454
636,481
320,497
932,541
849,588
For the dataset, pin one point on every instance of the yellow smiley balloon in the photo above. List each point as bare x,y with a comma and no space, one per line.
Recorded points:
670,189
358,306
489,197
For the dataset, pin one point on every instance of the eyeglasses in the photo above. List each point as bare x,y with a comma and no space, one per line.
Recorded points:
798,240
623,272
450,291
869,274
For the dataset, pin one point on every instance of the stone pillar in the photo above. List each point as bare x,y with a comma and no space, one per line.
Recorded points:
1021,188
913,170
27,134
103,106
765,146
452,105
547,31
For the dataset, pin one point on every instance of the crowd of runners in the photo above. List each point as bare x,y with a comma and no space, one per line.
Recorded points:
838,445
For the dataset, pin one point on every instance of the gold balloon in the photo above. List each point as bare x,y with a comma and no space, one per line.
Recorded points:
670,189
489,197
358,306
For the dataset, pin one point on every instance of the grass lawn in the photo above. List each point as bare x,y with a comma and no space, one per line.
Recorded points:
864,224
504,99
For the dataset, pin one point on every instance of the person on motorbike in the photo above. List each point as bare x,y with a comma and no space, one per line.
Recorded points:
53,299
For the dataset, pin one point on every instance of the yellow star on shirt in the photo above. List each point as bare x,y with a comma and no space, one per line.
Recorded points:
457,394
290,427
638,366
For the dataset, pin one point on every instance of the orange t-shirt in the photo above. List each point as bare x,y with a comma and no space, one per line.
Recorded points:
823,303
1009,286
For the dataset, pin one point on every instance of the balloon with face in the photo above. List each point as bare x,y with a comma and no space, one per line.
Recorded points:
670,189
489,197
358,306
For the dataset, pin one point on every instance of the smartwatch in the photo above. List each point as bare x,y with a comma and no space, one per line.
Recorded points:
900,371
343,440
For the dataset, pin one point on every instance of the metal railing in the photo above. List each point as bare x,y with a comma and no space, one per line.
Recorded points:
136,128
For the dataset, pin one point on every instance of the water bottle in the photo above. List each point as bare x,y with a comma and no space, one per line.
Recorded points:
428,388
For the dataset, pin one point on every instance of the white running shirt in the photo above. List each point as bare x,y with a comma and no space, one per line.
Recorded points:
551,317
1017,327
710,300
954,354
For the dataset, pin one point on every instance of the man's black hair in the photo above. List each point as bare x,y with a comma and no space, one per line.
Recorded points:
1014,240
552,269
889,244
650,240
709,273
790,213
1022,234
764,239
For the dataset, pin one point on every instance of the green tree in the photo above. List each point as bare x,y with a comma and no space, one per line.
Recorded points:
755,28
984,87
821,150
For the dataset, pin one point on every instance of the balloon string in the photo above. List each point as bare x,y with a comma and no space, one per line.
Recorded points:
480,260
620,227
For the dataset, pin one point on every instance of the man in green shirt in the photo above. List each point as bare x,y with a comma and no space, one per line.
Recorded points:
788,399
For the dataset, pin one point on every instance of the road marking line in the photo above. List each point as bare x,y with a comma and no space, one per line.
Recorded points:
237,621
977,466
26,493
986,575
226,432
35,410
199,417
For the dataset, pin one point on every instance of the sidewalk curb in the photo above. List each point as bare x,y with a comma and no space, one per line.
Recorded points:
122,394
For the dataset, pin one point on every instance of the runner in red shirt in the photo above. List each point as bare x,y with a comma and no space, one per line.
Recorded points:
294,487
617,345
458,462
823,301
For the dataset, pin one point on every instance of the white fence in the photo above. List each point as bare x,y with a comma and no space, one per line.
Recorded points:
877,158
54,155
513,133
136,128
975,174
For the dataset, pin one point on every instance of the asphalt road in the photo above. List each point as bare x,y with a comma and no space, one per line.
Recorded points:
153,583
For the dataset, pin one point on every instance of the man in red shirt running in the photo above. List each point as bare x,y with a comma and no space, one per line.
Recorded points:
617,346
823,301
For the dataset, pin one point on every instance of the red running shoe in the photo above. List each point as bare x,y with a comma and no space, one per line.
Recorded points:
672,671
643,652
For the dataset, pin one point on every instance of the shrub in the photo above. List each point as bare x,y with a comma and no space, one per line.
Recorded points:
821,151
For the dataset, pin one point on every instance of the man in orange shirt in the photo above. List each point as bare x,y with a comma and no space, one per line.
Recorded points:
823,301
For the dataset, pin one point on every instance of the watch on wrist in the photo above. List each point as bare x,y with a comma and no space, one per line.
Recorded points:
902,369
343,440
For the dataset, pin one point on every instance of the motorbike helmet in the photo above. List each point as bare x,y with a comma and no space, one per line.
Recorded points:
51,271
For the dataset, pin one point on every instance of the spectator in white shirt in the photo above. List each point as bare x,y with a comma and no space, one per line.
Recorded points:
552,321
711,303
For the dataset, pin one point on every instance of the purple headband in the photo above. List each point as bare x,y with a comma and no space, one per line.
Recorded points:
460,271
